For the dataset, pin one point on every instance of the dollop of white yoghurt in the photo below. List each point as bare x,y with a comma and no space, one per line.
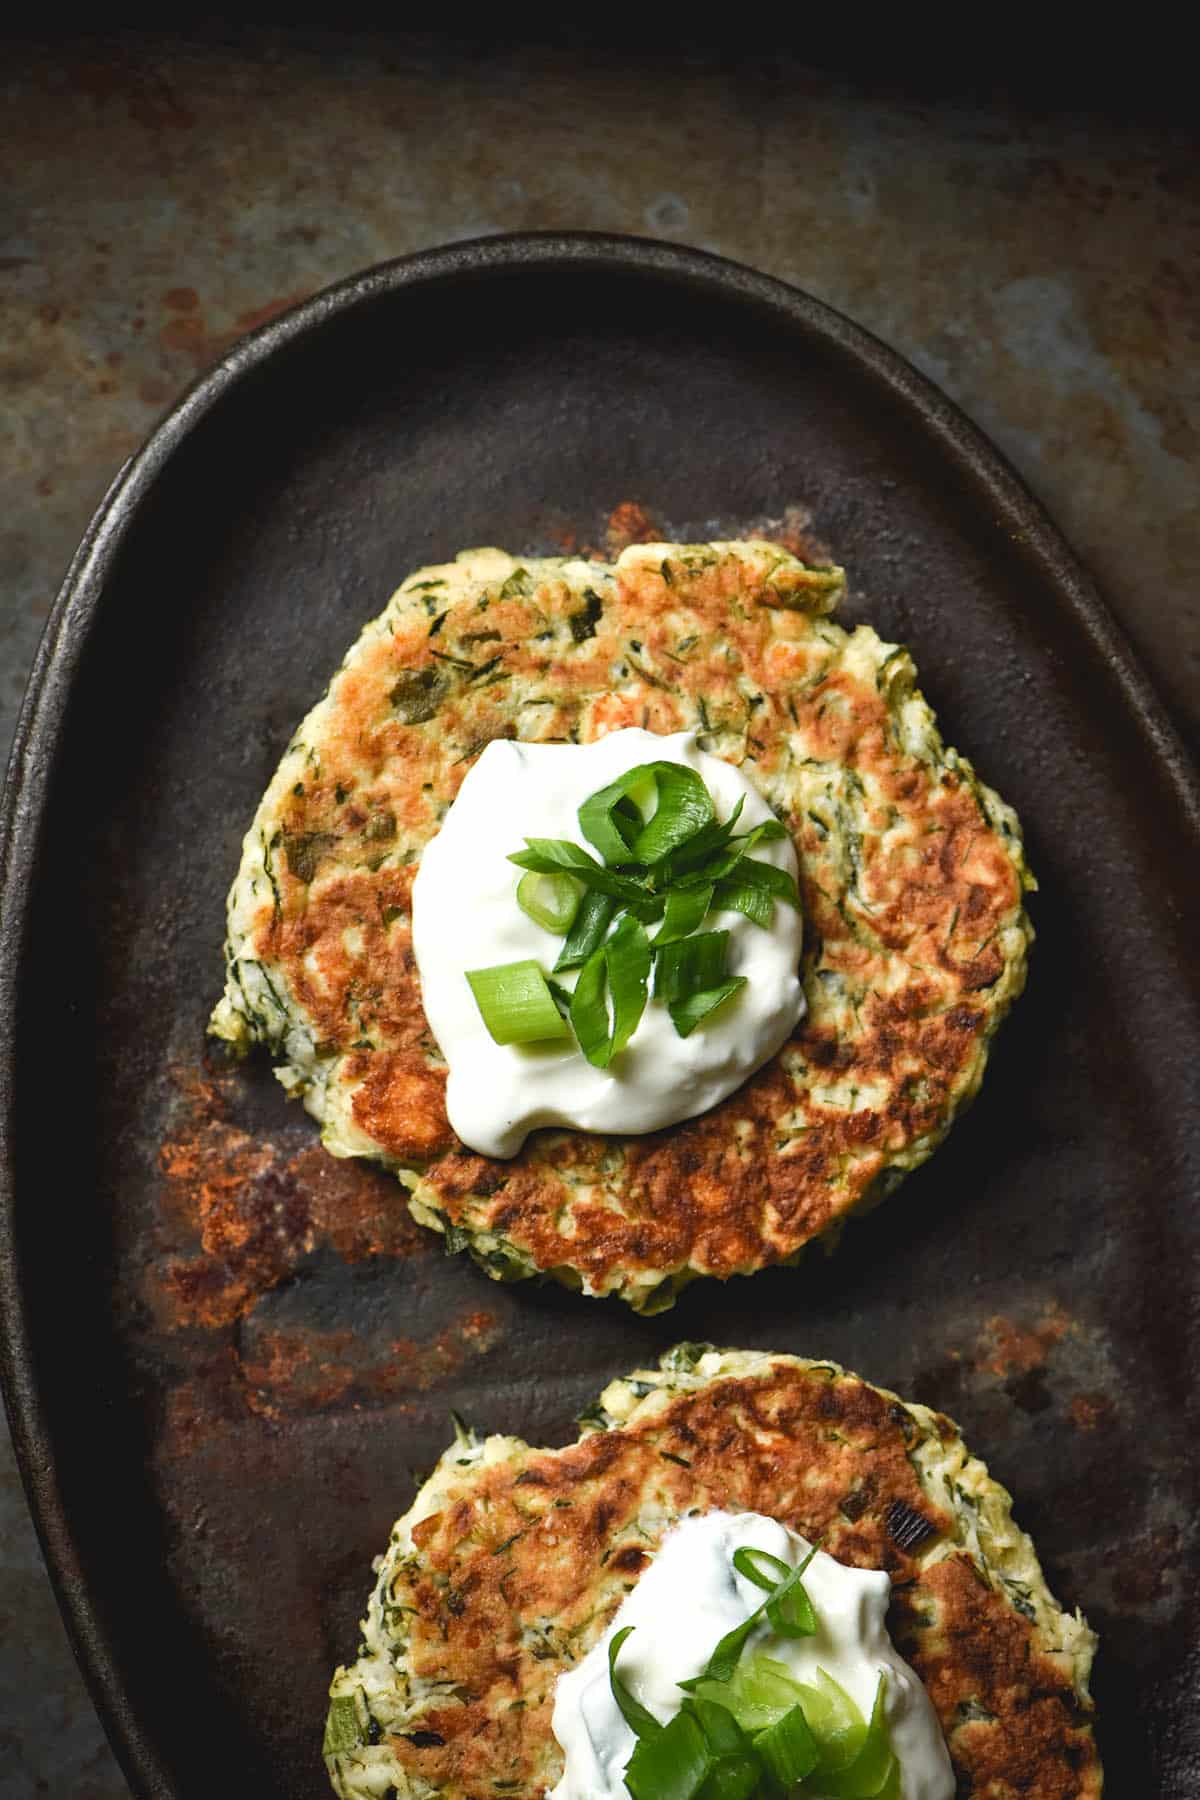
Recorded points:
687,1600
465,916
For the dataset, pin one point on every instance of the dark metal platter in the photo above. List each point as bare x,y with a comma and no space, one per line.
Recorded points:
229,1358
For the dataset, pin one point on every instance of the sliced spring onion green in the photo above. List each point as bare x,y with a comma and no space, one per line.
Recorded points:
685,910
732,1778
689,865
589,1009
765,875
516,1005
837,1721
640,1720
560,995
613,816
587,933
617,973
789,1748
891,1786
552,856
750,1731
627,954
673,1764
759,1691
742,896
691,1011
792,1616
690,964
736,1771
551,901
724,1659
684,808
700,848
722,1733
666,857
869,1770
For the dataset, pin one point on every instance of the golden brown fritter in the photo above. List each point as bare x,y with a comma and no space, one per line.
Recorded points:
512,1562
912,877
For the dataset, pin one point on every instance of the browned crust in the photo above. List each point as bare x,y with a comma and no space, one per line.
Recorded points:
900,966
535,1554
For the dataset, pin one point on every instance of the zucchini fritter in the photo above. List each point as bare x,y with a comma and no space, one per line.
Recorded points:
512,1561
912,875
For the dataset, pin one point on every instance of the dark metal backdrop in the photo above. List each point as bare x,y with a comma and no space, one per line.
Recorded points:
228,1358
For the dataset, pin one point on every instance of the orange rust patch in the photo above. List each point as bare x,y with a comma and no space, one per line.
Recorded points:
794,532
256,1209
187,333
630,523
290,1370
1144,1572
260,315
1090,1411
1012,1349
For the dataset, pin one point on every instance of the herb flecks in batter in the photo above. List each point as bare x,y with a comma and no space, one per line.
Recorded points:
666,858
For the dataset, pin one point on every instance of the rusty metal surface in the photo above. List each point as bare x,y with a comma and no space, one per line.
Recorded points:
240,1253
1040,265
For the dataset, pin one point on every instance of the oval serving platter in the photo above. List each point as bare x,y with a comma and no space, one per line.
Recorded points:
227,1357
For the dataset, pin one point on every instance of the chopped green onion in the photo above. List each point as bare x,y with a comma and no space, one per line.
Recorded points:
619,970
685,910
550,856
759,1691
691,964
551,901
742,896
612,818
722,1733
792,1616
627,954
698,849
640,1720
691,1011
666,858
837,1721
684,808
724,1659
765,875
732,1778
588,931
560,995
589,1009
736,1771
673,1764
891,1786
751,1731
867,1774
789,1748
516,1005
